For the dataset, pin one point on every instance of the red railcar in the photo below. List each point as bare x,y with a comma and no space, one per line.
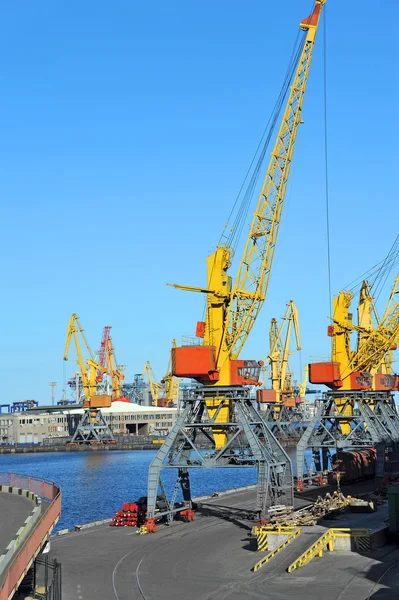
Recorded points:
353,465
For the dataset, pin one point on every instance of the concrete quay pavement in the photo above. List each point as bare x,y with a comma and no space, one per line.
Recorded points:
211,559
14,509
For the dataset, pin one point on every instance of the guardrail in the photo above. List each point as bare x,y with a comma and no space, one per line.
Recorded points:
30,548
290,533
23,531
327,541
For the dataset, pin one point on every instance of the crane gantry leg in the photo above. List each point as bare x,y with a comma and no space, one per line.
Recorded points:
374,423
92,428
191,444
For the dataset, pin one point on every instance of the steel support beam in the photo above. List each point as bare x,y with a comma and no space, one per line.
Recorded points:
92,428
372,419
249,443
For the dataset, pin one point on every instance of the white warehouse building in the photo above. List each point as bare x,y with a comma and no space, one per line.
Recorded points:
44,422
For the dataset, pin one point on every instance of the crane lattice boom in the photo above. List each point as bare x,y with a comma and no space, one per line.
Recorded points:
382,339
232,309
250,286
103,352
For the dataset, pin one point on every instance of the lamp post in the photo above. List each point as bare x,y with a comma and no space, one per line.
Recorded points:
52,384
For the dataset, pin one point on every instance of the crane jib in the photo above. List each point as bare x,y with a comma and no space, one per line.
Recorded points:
232,307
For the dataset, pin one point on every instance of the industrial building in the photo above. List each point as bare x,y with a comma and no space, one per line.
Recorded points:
46,422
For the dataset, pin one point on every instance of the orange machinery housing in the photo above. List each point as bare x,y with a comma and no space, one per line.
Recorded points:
199,362
328,373
270,397
104,401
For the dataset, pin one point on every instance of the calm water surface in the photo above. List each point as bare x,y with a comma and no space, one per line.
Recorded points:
95,484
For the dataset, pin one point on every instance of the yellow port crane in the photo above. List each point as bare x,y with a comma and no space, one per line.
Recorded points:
280,342
369,367
376,343
89,370
154,385
169,384
304,382
232,308
92,427
115,373
222,410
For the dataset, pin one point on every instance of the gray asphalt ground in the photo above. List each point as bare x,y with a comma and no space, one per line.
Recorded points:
13,512
211,559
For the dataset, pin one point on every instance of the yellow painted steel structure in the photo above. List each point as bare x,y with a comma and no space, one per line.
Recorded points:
376,340
304,382
154,386
232,308
374,351
279,351
88,373
171,383
114,371
376,337
262,539
326,541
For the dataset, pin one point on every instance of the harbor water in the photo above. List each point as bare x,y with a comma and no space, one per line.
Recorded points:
95,484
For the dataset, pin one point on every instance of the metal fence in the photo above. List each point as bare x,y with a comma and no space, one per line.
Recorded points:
27,552
47,579
43,580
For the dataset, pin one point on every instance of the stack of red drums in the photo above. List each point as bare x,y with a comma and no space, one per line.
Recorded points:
128,516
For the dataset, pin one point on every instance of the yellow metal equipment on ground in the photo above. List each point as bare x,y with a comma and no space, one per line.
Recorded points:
287,533
327,541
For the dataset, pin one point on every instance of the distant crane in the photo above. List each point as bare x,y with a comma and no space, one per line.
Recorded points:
154,386
103,353
280,341
92,427
369,367
171,383
221,409
115,372
359,409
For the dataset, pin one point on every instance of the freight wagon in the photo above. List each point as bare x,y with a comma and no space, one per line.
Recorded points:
353,465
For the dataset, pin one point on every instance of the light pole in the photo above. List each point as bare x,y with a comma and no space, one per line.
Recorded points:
52,384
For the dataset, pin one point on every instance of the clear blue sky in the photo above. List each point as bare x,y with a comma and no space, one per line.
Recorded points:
126,130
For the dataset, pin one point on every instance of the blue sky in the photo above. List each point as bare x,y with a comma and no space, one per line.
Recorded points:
126,131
